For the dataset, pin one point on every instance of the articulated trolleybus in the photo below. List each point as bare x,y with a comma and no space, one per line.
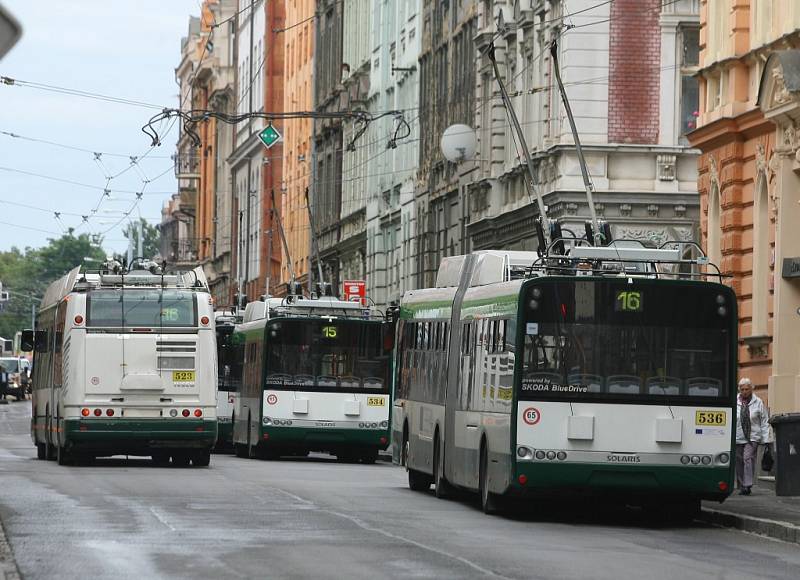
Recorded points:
315,377
125,364
608,371
228,384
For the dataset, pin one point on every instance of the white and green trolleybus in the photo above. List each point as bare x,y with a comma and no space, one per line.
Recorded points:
228,382
315,377
125,364
608,371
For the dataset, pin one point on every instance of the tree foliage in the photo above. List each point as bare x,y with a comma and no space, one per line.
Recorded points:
27,274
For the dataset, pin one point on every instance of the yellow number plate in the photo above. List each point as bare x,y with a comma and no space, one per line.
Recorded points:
376,401
183,376
711,418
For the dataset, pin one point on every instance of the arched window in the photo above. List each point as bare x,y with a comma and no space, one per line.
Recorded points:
760,280
714,243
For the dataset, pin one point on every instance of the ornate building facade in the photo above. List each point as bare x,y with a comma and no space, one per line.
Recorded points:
750,176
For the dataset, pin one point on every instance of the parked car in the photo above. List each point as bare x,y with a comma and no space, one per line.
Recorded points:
19,372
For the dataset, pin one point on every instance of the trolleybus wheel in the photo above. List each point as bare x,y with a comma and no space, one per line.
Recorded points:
442,488
240,450
63,457
202,458
490,503
180,459
160,458
369,457
41,451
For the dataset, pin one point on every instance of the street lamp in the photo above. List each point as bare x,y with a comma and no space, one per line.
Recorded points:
458,143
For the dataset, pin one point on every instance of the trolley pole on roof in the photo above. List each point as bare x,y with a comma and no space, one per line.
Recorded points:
587,182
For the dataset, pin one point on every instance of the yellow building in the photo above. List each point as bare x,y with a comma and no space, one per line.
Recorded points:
749,176
297,162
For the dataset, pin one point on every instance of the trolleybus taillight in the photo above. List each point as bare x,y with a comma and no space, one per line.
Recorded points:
204,321
198,412
85,412
110,412
98,412
78,319
185,412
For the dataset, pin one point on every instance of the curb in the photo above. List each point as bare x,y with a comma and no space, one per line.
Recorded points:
8,566
783,531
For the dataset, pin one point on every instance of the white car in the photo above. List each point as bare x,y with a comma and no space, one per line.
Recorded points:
19,372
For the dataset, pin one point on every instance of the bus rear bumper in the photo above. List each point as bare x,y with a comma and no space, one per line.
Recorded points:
138,436
633,483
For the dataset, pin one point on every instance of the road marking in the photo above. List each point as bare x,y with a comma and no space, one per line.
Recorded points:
369,528
162,519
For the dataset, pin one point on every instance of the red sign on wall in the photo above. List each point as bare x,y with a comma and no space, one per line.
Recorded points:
355,291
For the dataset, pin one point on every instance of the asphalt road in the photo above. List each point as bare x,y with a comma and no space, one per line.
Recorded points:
316,518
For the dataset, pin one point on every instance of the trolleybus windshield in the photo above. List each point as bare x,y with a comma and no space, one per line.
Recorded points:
142,308
603,340
322,355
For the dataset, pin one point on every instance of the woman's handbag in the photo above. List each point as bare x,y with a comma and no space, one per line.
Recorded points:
767,461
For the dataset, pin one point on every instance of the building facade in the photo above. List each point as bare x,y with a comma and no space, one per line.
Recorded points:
391,171
749,176
298,47
627,69
247,157
327,153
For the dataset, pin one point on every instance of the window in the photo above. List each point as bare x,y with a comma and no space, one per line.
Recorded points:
690,94
713,246
761,273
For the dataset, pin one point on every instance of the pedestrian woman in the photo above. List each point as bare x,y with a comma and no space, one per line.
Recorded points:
752,428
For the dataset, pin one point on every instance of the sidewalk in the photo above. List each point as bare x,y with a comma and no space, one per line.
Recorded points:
760,513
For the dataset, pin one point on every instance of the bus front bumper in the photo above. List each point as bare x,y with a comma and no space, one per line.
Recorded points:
543,479
324,438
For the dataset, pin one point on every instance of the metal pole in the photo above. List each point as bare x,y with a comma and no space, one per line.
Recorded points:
521,136
587,183
33,315
314,242
269,254
140,253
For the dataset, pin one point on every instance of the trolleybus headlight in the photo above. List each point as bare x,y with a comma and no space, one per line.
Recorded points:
361,425
706,460
173,412
287,422
685,459
723,458
384,424
110,412
85,412
695,460
524,452
185,412
267,421
540,454
551,454
561,455
78,319
98,412
198,412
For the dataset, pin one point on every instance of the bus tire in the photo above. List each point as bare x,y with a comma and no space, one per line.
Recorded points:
180,459
418,481
240,450
63,456
160,458
490,503
41,451
441,487
202,458
369,457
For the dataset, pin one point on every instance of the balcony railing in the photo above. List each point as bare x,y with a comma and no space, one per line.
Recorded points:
187,166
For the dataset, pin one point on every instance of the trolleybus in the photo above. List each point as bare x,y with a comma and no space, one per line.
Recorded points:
125,364
611,370
228,382
315,377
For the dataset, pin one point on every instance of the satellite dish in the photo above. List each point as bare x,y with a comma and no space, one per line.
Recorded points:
459,143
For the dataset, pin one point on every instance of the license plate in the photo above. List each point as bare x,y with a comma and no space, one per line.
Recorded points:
182,376
710,418
376,401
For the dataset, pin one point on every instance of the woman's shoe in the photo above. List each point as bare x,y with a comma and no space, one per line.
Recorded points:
745,491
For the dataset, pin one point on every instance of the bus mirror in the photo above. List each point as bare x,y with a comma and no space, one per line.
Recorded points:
27,341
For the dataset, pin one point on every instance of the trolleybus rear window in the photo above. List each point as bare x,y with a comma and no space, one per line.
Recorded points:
598,340
141,308
322,355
